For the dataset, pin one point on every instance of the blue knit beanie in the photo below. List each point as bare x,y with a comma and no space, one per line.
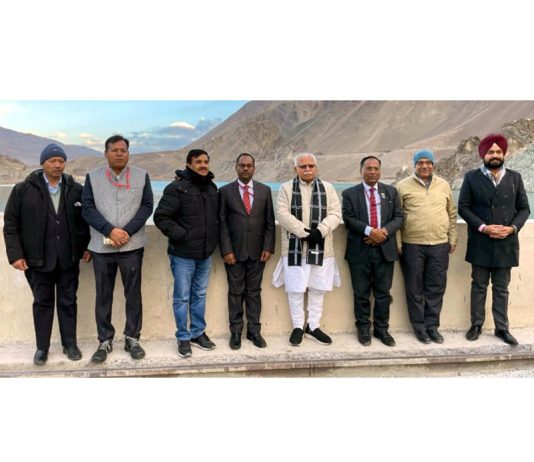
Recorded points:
52,150
423,154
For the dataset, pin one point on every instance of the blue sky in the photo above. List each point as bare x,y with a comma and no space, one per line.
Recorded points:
149,125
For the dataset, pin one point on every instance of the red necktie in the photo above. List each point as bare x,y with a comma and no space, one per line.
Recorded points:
246,199
372,206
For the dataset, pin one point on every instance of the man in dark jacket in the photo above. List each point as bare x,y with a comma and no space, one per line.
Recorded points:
372,215
187,215
494,204
247,236
46,237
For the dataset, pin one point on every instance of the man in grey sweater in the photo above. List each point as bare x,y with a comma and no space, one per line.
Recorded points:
117,201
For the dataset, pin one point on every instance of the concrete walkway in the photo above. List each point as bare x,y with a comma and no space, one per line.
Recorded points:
488,356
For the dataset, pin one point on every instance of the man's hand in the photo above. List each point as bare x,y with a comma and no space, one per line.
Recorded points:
229,259
86,256
265,255
376,237
498,231
314,237
452,248
20,265
119,237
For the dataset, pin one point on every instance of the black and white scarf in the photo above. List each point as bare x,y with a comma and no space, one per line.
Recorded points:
317,214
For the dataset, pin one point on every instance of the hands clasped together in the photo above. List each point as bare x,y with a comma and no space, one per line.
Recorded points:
118,237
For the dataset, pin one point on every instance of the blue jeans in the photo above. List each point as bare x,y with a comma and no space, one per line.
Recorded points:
189,296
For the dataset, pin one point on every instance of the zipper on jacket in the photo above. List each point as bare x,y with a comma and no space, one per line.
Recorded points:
205,225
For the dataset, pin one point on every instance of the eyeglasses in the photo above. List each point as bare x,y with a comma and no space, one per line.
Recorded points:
310,166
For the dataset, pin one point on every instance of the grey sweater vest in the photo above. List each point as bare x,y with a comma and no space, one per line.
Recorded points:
118,206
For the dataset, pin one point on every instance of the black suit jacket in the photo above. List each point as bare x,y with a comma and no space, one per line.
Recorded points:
26,216
356,219
246,236
481,203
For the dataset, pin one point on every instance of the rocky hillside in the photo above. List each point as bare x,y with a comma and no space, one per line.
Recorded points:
339,132
520,155
12,170
342,132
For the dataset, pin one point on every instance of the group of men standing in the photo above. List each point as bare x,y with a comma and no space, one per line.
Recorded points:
492,201
51,222
196,218
415,221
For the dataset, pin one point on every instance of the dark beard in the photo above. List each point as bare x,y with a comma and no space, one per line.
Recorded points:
494,164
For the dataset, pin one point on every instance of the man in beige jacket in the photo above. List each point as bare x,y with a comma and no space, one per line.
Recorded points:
308,211
428,235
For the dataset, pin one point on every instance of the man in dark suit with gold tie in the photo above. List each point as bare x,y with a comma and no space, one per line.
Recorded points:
247,238
372,215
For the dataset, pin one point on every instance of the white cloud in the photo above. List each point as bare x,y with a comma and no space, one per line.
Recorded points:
185,125
170,137
60,135
94,142
85,135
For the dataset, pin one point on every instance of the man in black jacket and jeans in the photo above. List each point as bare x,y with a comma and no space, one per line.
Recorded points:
187,215
494,204
46,237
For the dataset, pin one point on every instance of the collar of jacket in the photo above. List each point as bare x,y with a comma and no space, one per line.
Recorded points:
35,178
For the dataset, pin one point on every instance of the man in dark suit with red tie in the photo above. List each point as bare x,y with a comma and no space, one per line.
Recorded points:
247,238
372,215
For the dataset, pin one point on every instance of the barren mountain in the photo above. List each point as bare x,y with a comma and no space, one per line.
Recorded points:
339,132
26,147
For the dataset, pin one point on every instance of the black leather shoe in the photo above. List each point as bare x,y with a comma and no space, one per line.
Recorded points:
73,353
363,336
473,333
256,339
434,335
235,340
506,337
423,337
40,358
384,337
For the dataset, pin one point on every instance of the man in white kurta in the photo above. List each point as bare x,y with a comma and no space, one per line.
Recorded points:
317,279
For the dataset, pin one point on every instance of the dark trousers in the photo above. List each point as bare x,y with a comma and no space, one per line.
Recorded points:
45,286
375,273
244,285
425,278
105,266
500,278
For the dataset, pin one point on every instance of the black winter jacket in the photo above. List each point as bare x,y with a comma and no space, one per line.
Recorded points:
26,214
481,203
187,215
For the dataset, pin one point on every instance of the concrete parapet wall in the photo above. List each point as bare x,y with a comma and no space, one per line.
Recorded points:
16,322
